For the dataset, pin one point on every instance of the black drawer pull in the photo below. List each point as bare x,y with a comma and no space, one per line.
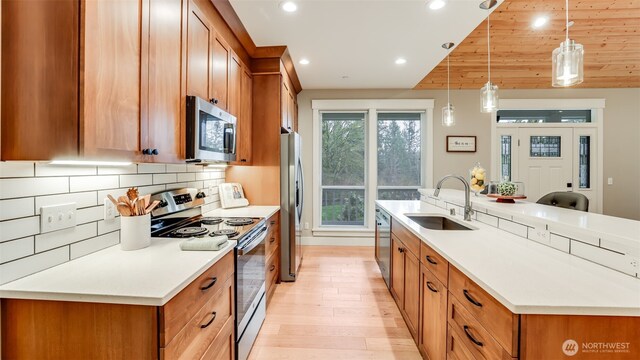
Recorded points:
430,286
272,240
466,331
272,267
471,299
431,261
273,222
210,321
401,250
213,282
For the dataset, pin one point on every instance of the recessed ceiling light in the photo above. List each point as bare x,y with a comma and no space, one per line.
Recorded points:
289,6
304,61
436,4
540,21
401,61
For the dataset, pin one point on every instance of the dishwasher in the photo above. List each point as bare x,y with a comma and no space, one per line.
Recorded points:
383,243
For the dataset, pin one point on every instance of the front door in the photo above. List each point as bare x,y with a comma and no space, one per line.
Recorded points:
545,160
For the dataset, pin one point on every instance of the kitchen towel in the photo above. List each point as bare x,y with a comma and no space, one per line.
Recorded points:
205,244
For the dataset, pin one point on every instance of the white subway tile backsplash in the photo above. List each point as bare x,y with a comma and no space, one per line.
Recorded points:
17,188
164,178
87,183
118,170
18,228
26,266
16,208
16,169
604,257
559,242
187,177
611,243
136,180
90,214
46,169
176,186
89,246
106,226
63,237
151,168
487,219
174,168
25,187
512,227
82,200
16,249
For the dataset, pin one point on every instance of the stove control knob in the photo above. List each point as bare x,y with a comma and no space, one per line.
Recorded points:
200,195
163,203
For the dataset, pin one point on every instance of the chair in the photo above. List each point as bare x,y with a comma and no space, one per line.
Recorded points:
567,200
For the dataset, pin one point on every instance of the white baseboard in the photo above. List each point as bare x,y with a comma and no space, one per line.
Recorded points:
338,241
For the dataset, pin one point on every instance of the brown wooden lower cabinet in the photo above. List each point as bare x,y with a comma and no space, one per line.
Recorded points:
457,319
197,323
272,254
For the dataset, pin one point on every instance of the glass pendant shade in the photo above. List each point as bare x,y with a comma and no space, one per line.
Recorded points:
568,64
448,115
489,98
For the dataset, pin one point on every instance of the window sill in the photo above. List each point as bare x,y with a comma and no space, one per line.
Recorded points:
343,232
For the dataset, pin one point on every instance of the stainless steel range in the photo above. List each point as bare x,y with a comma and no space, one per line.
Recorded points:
179,217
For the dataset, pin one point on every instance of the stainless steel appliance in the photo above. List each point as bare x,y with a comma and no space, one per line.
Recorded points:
211,132
292,202
179,216
383,243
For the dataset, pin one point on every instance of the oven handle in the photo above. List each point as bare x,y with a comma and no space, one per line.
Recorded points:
250,246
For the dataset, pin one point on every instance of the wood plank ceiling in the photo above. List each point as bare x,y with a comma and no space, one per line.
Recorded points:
609,30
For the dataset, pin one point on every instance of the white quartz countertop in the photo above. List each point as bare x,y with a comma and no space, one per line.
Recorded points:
249,211
526,277
149,276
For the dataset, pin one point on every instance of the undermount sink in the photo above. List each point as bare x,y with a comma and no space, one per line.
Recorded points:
438,222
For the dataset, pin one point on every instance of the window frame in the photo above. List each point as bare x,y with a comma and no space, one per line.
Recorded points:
372,107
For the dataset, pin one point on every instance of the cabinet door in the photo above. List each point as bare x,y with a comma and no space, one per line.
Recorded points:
245,122
412,292
284,105
433,316
164,99
112,77
291,113
220,72
235,86
199,40
397,271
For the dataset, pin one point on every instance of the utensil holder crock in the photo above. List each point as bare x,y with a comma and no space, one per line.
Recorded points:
135,232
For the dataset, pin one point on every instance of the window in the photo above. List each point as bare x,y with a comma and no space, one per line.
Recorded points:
584,170
399,156
343,168
545,146
543,116
505,157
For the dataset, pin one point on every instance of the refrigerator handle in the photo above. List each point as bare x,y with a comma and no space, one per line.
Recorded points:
300,193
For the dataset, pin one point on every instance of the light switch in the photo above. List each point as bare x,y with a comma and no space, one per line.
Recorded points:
57,217
610,181
109,209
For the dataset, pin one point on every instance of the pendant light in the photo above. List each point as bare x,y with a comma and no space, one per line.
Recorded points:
448,112
568,60
489,92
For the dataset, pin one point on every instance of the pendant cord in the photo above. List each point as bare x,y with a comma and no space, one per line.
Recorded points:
448,80
567,12
489,45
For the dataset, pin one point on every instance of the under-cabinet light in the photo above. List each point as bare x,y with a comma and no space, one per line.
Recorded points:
90,163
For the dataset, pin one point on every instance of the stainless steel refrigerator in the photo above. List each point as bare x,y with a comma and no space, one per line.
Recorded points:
291,203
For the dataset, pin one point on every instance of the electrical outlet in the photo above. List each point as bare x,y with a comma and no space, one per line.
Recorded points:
542,235
306,226
57,217
610,181
109,209
211,189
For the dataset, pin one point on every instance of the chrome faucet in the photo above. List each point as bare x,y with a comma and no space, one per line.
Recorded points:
467,190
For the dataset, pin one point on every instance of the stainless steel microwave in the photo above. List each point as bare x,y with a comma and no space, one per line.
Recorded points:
211,132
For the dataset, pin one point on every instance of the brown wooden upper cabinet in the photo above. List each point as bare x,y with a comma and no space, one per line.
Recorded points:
104,84
289,105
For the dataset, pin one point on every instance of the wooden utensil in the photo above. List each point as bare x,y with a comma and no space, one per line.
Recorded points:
147,201
150,208
113,200
124,209
132,193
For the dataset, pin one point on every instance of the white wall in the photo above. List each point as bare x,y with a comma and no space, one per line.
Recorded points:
621,136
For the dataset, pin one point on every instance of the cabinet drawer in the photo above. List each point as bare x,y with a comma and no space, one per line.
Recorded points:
493,316
223,347
179,310
435,263
476,338
196,336
273,235
408,239
456,349
273,268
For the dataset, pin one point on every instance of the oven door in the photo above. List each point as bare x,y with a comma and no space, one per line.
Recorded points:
250,279
211,132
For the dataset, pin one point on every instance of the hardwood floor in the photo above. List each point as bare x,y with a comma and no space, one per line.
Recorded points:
339,308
